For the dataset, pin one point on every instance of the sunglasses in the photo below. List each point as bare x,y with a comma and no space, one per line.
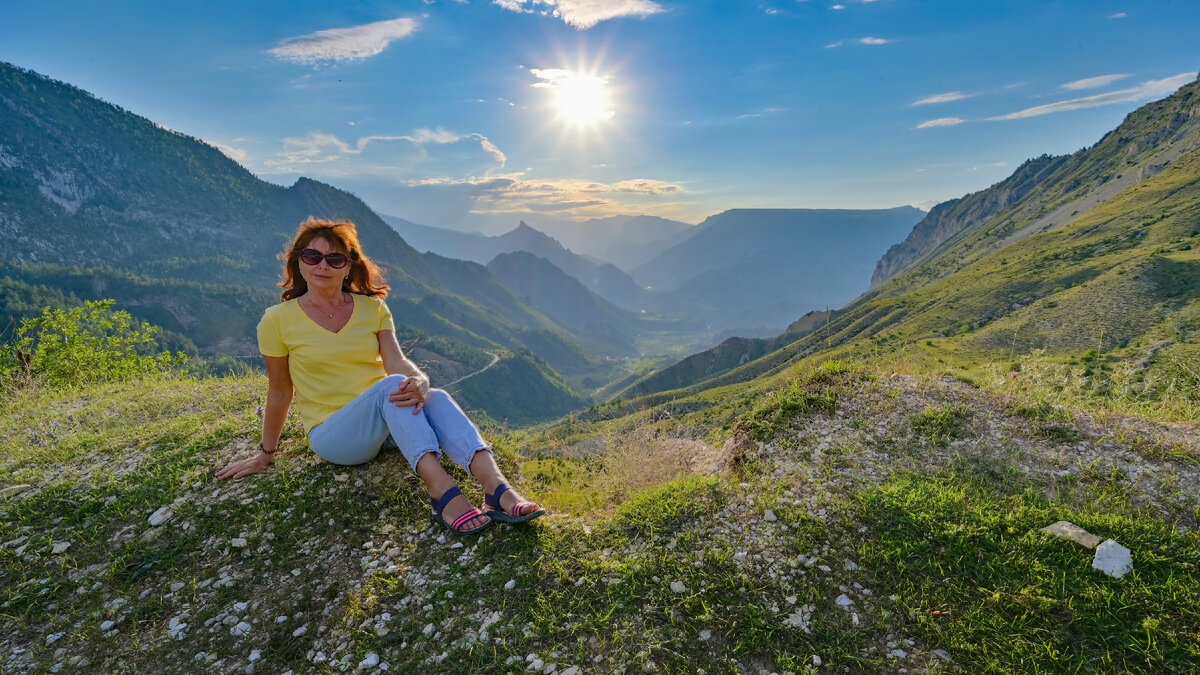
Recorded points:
311,256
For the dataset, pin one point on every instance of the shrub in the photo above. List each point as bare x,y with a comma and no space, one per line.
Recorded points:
87,344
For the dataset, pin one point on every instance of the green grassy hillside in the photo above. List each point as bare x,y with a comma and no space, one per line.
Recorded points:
856,521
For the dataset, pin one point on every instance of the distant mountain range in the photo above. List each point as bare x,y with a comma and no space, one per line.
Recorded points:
625,241
755,271
603,279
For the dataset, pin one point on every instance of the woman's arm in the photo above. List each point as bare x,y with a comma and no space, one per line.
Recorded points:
279,399
415,388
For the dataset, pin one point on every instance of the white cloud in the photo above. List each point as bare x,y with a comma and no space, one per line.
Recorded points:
838,7
583,14
344,44
564,197
831,45
1118,15
873,41
319,148
1093,82
236,154
941,122
943,98
1146,90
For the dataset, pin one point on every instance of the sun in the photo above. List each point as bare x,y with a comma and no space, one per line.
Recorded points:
580,99
583,99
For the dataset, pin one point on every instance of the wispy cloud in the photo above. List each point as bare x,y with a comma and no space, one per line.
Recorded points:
582,14
993,165
564,197
860,41
1093,82
1148,89
943,98
320,148
941,122
344,44
1118,15
236,154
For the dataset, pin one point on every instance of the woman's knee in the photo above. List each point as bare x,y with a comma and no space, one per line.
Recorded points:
436,396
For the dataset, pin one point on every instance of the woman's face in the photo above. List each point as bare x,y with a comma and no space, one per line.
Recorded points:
322,277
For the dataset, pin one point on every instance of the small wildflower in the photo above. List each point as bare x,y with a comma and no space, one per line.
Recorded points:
1013,373
259,412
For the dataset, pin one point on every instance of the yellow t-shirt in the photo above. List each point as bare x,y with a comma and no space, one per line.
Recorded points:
328,369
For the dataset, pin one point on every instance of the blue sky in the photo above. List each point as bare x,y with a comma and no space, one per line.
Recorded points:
473,114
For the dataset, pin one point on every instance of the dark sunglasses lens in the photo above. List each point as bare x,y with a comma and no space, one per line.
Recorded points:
336,260
310,256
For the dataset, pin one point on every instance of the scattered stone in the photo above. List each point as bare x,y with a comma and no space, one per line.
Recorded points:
1070,531
573,670
161,516
13,490
678,586
1113,559
536,666
769,516
177,586
300,631
511,584
107,626
705,635
843,600
239,542
255,655
241,629
371,661
60,547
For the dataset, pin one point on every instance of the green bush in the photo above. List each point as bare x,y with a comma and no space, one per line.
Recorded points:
83,345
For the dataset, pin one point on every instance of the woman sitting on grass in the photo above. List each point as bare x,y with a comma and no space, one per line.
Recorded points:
333,340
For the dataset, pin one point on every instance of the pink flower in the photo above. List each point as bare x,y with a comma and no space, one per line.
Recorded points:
1014,373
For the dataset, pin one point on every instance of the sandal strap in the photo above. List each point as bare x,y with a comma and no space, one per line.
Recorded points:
521,507
493,499
440,503
465,517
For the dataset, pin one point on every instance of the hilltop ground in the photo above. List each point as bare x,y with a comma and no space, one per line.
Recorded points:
855,521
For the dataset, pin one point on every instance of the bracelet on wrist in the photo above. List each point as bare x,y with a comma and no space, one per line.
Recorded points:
271,452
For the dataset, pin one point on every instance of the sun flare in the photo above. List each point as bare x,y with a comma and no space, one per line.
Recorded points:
579,99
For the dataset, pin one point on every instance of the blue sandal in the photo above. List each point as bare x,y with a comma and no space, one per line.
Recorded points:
439,505
492,502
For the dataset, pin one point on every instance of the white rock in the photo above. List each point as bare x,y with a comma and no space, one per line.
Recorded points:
898,653
816,660
300,631
255,655
161,516
843,601
51,639
705,635
281,619
177,586
371,661
537,665
1070,531
1113,559
573,670
769,516
61,547
241,629
239,542
341,477
107,626
678,586
510,585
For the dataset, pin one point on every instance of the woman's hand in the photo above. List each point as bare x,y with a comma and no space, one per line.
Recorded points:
246,466
411,392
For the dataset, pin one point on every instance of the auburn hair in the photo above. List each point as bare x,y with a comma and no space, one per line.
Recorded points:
365,278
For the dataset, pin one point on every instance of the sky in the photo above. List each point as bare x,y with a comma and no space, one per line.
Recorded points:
475,114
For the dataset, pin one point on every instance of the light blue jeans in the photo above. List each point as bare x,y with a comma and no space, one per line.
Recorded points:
361,428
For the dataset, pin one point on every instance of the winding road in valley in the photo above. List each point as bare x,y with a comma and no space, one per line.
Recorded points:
495,360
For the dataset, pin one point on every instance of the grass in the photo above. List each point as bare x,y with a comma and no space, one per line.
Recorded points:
645,563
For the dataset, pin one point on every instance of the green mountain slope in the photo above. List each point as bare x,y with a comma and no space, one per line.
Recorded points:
184,237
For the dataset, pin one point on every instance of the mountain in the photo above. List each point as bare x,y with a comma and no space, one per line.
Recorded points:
604,279
757,270
596,323
1093,257
100,202
625,241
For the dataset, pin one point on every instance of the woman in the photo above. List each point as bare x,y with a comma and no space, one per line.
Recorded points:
333,343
